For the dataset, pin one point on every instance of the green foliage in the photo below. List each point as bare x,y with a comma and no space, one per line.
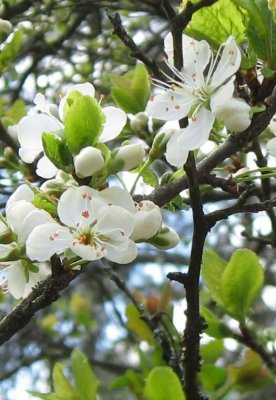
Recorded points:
212,270
57,151
241,282
212,377
216,23
163,384
86,383
132,90
10,51
234,285
261,30
83,123
215,327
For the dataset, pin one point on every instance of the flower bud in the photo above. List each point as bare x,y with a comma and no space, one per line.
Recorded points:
131,156
272,6
147,220
5,29
166,239
159,144
139,122
235,114
88,161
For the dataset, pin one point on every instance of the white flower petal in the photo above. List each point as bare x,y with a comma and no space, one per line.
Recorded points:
271,147
45,168
117,196
116,224
16,279
76,206
197,132
30,130
16,214
222,95
115,121
171,105
46,240
228,64
88,252
31,220
175,154
235,113
123,254
23,192
88,161
147,220
36,277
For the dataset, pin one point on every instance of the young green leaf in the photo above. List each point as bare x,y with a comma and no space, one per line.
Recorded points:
163,384
241,282
83,123
212,270
85,380
216,23
57,151
10,50
63,389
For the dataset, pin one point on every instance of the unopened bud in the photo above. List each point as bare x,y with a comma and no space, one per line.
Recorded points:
131,156
166,239
139,122
147,220
159,144
235,114
88,161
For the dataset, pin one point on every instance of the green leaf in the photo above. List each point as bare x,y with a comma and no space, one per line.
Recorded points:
211,351
132,380
85,380
57,151
212,270
42,396
132,90
212,377
261,30
163,384
241,282
149,177
40,201
16,111
217,22
10,50
215,328
63,389
83,123
137,325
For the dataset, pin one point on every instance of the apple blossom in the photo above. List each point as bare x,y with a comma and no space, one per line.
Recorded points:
92,229
88,161
199,95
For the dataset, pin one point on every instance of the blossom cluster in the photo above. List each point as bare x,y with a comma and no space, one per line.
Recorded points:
75,214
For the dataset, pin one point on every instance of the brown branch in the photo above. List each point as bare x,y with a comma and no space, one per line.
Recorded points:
120,31
234,143
195,324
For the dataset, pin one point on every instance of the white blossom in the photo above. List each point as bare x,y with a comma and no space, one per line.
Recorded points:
198,95
92,229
